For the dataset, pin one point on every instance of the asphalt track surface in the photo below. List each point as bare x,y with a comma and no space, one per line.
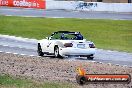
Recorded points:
30,48
64,14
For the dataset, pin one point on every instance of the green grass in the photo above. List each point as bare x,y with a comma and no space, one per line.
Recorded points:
10,82
106,34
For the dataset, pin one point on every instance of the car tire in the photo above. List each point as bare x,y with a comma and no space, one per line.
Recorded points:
90,57
40,53
56,52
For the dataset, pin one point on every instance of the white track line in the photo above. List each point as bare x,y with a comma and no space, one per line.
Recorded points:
32,55
7,52
15,53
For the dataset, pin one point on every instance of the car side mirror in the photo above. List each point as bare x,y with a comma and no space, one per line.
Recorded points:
47,38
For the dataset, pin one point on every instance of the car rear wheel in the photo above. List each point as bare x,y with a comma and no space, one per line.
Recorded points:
40,53
56,52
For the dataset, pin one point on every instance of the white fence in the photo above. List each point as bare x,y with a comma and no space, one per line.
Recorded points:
89,6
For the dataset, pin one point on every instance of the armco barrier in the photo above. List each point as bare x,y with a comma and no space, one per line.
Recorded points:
89,6
24,3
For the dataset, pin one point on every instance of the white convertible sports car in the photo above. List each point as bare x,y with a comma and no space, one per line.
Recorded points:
65,43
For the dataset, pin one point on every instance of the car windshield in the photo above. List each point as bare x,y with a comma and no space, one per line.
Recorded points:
71,37
66,36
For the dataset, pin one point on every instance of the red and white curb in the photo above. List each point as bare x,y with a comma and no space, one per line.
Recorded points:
19,54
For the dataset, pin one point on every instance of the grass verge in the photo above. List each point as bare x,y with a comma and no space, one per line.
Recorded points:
7,81
106,34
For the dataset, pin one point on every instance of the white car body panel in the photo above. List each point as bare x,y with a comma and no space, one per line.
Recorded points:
76,51
65,43
48,46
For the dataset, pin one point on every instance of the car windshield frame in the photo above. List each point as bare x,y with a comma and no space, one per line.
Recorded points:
66,36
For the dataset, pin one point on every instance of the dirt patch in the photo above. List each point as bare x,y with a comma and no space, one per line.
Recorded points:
60,70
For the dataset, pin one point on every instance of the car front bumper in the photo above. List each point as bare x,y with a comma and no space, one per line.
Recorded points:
76,51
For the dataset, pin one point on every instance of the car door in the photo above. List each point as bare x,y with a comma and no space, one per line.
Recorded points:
50,46
44,45
53,39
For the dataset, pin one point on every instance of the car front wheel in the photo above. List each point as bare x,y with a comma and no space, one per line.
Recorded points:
40,53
